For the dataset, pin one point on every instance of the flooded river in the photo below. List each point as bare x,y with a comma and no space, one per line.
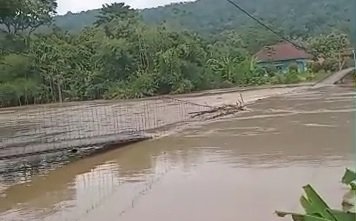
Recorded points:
239,168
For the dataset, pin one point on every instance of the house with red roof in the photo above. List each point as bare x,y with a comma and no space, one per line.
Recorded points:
282,56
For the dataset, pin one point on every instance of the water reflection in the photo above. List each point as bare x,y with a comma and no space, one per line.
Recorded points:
83,185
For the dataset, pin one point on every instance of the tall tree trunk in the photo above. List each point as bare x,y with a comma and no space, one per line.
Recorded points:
26,98
19,100
52,89
59,92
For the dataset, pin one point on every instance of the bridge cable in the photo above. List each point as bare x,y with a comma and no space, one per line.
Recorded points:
263,24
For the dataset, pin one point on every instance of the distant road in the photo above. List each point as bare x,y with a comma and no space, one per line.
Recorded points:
331,80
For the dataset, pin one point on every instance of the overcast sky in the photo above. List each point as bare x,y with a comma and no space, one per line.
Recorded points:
81,5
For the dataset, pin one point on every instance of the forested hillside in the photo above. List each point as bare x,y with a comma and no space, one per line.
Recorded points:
293,18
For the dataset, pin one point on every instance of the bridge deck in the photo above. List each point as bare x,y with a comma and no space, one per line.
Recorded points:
334,78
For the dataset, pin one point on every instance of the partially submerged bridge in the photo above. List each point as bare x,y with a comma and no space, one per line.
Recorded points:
335,78
86,127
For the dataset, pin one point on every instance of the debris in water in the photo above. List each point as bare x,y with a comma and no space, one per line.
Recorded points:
220,111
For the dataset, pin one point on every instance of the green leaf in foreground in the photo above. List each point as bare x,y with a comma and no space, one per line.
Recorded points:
313,204
348,177
301,217
353,185
343,216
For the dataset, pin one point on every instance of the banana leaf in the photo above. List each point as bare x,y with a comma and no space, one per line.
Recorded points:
343,216
301,217
318,210
353,185
348,177
339,215
314,205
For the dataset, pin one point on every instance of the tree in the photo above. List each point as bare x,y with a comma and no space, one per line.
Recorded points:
25,15
115,11
328,46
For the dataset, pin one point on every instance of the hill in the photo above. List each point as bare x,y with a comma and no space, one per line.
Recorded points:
293,18
76,21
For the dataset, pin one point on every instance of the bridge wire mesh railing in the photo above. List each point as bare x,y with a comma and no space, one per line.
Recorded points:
34,131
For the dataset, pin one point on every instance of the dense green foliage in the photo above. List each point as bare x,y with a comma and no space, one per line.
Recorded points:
25,15
121,56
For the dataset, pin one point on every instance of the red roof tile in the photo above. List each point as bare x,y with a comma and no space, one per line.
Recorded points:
280,52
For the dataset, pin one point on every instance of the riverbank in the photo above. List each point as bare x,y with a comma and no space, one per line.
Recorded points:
318,79
185,95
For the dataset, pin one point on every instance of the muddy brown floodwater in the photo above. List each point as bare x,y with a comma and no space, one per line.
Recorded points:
239,168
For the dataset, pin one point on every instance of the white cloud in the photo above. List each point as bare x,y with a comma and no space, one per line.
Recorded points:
81,5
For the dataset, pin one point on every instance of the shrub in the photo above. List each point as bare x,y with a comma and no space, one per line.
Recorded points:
278,79
331,64
226,84
8,95
292,78
183,86
315,67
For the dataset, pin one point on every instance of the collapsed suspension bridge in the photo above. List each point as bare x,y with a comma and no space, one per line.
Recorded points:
80,129
53,128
